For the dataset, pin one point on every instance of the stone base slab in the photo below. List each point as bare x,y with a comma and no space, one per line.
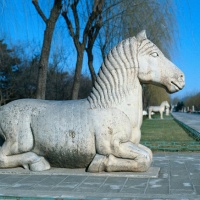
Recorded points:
153,172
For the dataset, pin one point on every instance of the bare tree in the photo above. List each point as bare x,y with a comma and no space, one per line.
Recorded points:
111,32
92,35
45,52
132,16
110,21
81,38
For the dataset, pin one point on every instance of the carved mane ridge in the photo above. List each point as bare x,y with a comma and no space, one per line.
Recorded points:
116,75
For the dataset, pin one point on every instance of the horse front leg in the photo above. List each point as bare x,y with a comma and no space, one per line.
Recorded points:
149,113
111,163
146,149
136,156
124,157
130,150
161,114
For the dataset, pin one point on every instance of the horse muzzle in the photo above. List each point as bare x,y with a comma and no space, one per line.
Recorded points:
176,84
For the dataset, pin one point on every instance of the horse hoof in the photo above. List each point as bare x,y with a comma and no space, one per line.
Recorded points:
25,166
144,163
111,164
98,164
40,165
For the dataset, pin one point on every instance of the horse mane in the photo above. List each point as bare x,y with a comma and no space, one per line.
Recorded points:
119,68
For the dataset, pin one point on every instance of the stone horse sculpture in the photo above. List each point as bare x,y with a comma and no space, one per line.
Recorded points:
100,133
164,105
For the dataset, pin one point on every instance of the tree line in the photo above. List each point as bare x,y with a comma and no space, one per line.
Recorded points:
193,100
19,78
188,101
90,24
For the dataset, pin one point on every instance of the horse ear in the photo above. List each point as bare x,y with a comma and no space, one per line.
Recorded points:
141,36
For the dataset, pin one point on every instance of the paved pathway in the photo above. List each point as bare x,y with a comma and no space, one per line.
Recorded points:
179,178
191,120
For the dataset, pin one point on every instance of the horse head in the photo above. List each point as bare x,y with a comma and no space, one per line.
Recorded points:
155,68
165,104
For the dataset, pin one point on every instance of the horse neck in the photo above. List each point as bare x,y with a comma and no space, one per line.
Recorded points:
132,103
163,104
116,75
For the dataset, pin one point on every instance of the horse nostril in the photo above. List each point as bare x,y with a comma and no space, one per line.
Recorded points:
181,78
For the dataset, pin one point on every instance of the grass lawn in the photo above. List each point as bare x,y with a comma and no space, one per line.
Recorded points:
166,135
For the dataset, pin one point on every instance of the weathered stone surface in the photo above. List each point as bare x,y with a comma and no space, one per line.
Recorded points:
101,132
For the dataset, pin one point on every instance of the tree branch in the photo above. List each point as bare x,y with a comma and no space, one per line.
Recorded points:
69,24
37,7
76,19
111,6
96,11
94,31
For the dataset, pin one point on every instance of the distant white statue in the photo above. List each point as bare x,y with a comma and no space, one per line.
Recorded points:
100,133
144,112
172,108
193,109
164,105
167,111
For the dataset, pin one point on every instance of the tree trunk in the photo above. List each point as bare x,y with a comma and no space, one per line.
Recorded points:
48,34
94,17
90,64
77,76
43,64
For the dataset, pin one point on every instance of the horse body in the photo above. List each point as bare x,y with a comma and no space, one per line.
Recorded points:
70,143
101,132
42,128
160,109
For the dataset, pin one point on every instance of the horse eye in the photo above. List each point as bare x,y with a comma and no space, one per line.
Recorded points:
155,54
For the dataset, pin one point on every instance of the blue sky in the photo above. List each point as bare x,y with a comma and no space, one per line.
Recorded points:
20,23
186,54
